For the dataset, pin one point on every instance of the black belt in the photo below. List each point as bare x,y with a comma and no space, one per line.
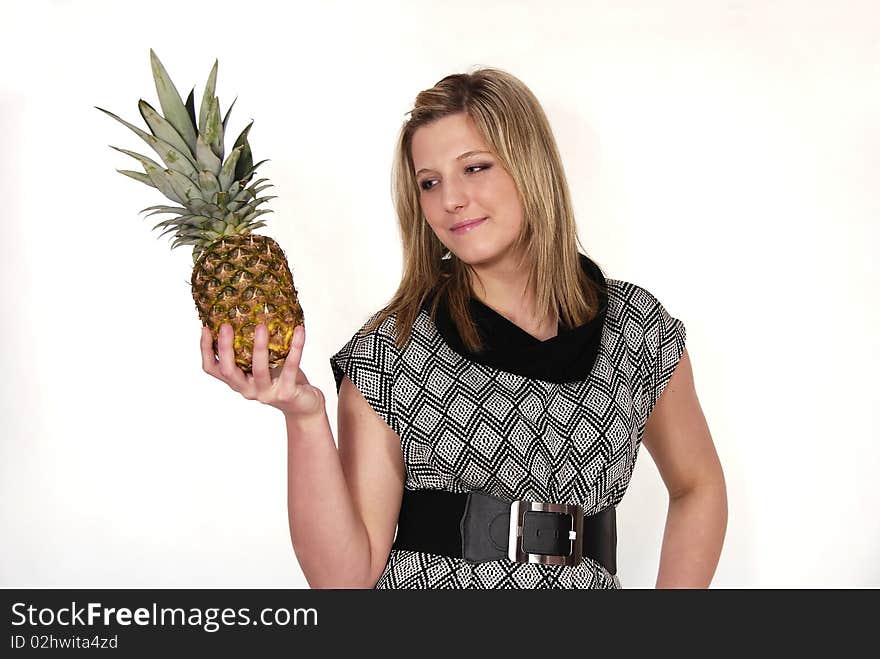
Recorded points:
477,527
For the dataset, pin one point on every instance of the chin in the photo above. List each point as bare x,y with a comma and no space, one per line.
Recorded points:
479,257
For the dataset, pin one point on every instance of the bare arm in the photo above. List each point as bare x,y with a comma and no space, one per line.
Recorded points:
678,439
342,504
372,461
328,536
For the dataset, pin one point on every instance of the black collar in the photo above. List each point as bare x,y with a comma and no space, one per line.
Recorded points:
566,357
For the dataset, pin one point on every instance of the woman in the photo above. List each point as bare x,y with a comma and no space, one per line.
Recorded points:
490,415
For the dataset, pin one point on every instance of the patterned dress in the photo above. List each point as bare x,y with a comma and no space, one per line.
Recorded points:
558,420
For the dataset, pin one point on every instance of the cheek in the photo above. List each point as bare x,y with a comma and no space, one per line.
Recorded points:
432,216
502,191
507,199
428,211
428,202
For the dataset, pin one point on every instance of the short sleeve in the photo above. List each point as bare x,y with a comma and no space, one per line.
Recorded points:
664,345
369,359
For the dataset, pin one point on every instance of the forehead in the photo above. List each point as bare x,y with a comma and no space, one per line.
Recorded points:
444,140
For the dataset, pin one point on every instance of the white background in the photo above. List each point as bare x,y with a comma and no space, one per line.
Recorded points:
724,155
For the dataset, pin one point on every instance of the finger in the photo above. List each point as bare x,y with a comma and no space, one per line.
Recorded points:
234,376
289,372
260,364
209,361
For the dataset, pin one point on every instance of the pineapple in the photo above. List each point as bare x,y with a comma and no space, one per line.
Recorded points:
239,277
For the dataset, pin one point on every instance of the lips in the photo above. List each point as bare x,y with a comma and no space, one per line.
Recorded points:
467,225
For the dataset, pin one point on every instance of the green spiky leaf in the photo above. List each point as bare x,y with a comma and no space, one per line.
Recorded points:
245,161
214,129
172,158
246,193
155,172
228,112
250,172
164,209
137,176
250,207
160,212
208,208
242,137
207,98
256,214
233,190
208,184
185,221
206,157
194,231
243,195
190,106
257,225
183,187
227,172
187,241
164,130
245,166
172,107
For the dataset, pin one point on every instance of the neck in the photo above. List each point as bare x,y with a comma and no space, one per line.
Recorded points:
502,287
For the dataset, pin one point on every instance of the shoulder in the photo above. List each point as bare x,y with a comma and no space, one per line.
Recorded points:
385,328
369,357
379,329
632,298
642,318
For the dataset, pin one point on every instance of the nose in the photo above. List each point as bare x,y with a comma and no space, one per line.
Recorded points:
454,196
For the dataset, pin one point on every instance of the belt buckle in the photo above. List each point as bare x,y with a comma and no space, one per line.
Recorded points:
515,550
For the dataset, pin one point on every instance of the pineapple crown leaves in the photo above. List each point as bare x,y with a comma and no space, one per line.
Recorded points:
213,194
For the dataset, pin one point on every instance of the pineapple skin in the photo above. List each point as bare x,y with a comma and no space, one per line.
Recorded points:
244,280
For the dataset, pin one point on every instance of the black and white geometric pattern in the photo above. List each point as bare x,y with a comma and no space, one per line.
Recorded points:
465,426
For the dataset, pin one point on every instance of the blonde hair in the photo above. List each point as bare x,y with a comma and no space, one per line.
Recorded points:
512,123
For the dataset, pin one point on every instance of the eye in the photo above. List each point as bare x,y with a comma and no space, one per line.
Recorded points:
422,185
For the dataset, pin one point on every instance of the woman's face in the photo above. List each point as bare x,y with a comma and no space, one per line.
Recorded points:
459,180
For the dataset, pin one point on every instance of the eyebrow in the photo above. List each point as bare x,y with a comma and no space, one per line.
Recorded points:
461,157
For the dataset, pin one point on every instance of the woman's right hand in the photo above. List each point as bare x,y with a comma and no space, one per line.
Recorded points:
285,387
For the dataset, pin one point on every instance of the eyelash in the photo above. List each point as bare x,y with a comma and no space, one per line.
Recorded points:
424,189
